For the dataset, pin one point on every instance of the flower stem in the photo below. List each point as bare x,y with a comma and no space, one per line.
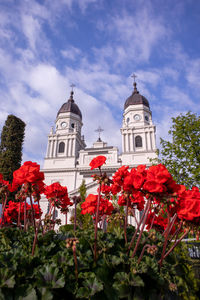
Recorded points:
3,209
166,235
19,214
126,219
75,262
35,238
174,245
75,205
142,229
136,231
33,213
96,221
25,214
142,253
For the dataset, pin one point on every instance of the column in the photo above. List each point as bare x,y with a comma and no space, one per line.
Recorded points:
128,134
55,148
150,133
127,149
145,142
72,147
48,149
148,140
153,140
66,147
52,148
123,143
131,142
69,148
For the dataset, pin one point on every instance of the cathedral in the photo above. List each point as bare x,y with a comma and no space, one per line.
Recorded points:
67,157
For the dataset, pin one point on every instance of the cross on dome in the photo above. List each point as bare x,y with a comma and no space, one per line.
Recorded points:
99,130
134,76
72,86
134,83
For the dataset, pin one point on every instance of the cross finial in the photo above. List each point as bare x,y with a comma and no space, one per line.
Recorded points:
99,130
134,76
72,86
134,84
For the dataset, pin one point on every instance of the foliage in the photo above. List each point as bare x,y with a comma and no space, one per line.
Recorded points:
83,221
50,273
103,257
82,190
12,137
182,155
186,273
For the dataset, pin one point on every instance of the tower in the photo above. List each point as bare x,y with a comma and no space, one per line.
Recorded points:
138,131
65,143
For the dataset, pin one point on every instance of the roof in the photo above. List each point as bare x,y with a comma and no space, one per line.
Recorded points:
70,106
136,98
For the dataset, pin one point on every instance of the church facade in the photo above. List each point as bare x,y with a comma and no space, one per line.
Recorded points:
67,157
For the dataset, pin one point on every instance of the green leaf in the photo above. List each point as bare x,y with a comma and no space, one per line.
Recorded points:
25,293
7,279
91,285
135,280
49,276
46,294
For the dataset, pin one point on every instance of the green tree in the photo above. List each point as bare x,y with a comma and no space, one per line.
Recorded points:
12,137
83,190
182,155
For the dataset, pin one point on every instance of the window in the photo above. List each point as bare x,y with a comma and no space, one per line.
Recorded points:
55,214
138,141
61,147
72,125
48,208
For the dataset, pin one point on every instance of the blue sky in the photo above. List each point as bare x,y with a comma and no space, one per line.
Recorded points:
97,44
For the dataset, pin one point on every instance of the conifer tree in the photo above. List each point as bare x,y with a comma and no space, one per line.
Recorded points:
12,137
82,190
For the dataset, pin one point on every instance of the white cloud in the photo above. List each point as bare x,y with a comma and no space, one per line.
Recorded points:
139,33
177,97
83,4
71,53
31,28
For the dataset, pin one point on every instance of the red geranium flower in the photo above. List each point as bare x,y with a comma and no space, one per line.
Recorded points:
58,195
159,222
12,209
90,206
97,162
29,172
189,205
154,187
5,183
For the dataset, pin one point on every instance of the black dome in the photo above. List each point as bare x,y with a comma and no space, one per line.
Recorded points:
70,106
136,98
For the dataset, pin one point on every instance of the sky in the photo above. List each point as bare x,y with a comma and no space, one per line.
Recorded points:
45,46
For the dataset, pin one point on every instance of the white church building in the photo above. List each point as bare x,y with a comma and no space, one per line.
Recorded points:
67,157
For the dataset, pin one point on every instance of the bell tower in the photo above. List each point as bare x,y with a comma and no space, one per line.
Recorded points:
66,141
138,131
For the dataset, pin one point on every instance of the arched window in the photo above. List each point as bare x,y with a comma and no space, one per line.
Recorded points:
138,141
61,147
55,214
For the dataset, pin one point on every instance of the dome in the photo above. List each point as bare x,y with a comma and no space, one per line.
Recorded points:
70,106
136,98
